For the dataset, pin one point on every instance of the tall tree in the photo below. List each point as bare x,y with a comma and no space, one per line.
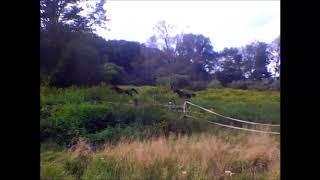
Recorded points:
231,66
256,61
70,12
165,38
197,52
274,56
79,65
63,22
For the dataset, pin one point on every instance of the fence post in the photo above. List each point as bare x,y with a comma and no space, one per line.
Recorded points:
184,108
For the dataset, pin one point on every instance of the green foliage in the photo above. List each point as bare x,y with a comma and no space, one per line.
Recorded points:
263,85
103,116
215,84
113,73
241,84
198,85
232,65
75,57
68,122
175,80
275,85
50,145
78,65
107,135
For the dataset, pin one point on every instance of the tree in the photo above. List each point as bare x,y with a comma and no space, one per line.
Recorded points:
256,61
231,65
274,56
61,22
123,53
197,53
165,32
152,42
147,68
79,65
67,12
165,39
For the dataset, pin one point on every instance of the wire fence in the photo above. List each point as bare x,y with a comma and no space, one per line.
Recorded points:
233,119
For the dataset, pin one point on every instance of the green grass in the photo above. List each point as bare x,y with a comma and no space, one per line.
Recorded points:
103,116
99,113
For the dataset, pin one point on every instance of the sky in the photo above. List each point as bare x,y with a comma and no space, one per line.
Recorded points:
226,23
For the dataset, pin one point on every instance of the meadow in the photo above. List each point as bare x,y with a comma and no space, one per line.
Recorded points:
149,141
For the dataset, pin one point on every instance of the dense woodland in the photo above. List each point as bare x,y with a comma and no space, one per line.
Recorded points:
72,54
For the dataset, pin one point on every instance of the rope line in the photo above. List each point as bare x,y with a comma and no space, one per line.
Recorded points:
159,105
233,127
248,122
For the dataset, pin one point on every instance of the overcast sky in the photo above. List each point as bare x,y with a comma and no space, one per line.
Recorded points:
226,23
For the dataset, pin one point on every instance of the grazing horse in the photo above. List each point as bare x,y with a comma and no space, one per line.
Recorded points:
184,94
124,91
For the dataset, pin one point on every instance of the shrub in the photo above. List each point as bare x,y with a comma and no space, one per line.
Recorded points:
238,84
215,84
105,136
70,121
176,80
275,85
262,85
198,85
113,73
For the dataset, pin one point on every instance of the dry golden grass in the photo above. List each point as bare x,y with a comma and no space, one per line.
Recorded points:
202,154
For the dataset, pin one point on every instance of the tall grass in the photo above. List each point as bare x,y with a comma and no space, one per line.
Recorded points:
200,156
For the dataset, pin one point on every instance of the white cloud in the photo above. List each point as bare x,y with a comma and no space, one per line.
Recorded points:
226,23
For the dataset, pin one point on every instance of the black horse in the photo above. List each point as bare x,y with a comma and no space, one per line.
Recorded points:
184,94
124,91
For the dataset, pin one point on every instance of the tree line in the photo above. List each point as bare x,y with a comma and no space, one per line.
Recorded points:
71,53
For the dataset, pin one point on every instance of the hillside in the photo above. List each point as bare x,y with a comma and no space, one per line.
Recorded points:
150,138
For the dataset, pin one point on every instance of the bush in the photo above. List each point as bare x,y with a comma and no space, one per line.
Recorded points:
113,73
105,136
215,84
262,85
70,121
198,85
275,85
176,80
238,84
